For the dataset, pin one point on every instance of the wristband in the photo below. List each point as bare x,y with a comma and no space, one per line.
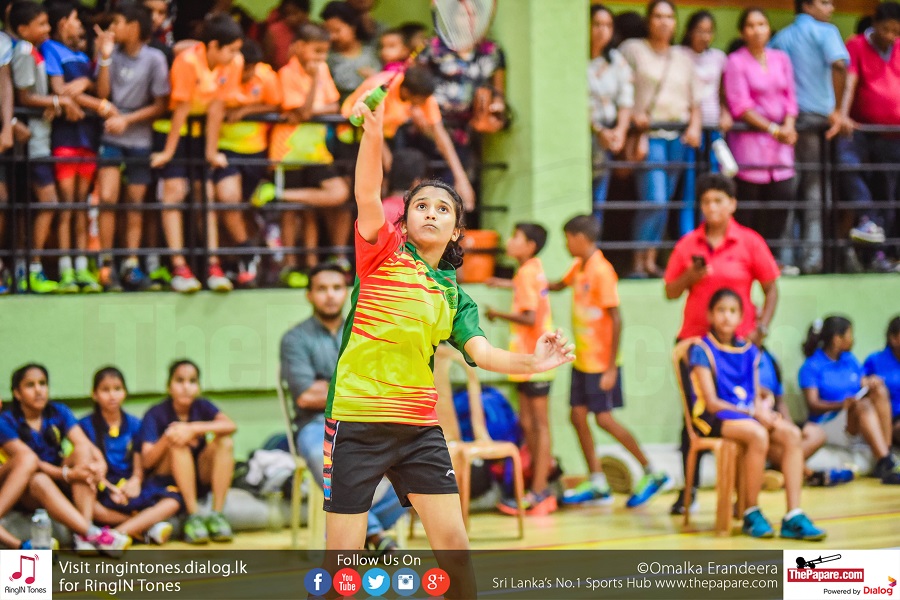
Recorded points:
65,473
104,107
56,103
774,129
105,62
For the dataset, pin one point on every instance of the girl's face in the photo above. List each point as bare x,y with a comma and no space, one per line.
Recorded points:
717,207
110,393
756,31
844,343
702,36
70,29
342,35
184,385
725,317
661,22
34,391
392,48
431,218
159,11
601,29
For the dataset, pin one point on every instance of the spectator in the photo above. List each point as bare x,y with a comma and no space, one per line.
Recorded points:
6,139
628,25
886,365
759,88
875,63
834,386
280,28
665,91
415,35
350,60
709,63
135,78
307,90
202,77
309,355
611,89
29,23
720,253
819,60
372,28
726,402
243,142
162,38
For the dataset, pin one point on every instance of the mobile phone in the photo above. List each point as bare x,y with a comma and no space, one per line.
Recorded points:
862,393
699,261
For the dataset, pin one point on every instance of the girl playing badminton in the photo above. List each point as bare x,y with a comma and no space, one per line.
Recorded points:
380,414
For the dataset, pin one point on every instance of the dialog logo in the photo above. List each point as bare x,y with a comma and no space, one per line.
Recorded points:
317,582
406,582
347,582
26,574
376,582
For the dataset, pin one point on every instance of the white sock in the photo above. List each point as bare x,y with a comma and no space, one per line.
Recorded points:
648,469
152,262
36,267
130,263
81,263
599,480
751,510
93,531
793,513
65,263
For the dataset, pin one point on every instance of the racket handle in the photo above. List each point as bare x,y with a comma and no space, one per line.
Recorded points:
372,101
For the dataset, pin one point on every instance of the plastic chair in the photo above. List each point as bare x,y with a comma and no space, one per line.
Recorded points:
462,453
729,454
315,497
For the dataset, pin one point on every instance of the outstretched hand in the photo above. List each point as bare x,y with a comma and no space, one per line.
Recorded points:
373,121
552,349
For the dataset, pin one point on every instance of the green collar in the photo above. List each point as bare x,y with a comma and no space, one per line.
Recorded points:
444,269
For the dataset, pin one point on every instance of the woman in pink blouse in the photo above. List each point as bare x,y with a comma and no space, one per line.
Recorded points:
759,89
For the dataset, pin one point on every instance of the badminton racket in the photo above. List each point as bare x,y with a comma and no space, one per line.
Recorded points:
462,24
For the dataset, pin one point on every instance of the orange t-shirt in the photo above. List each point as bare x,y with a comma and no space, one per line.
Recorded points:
248,137
531,292
295,84
193,81
396,110
594,290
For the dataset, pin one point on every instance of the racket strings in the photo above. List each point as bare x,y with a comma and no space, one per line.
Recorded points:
462,24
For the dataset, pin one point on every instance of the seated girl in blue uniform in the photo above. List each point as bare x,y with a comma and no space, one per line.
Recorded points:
886,365
812,436
727,402
133,502
832,381
174,443
15,473
36,426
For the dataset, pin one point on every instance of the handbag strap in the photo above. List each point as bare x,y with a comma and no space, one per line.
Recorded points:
659,84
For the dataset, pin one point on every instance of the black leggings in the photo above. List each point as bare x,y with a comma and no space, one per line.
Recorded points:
768,222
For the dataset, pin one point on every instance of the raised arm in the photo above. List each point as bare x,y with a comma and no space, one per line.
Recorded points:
369,174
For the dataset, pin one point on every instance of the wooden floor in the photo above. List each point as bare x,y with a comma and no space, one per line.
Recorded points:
864,514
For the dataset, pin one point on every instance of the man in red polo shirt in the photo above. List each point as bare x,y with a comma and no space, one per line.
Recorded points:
721,253
875,61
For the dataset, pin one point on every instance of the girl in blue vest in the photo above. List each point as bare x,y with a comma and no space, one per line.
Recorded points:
727,401
832,381
886,365
135,503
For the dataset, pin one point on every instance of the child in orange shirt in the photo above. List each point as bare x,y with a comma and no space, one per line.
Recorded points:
529,319
596,380
202,77
245,145
307,91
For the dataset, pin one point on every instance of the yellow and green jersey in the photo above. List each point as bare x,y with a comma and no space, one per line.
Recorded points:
402,309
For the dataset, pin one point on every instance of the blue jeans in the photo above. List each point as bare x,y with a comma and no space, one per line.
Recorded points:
657,186
600,191
310,441
855,185
687,219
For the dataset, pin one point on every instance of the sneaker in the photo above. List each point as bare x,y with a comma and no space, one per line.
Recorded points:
884,467
263,194
160,279
756,525
183,280
867,232
293,278
829,478
882,264
587,493
5,283
247,273
678,506
341,262
134,279
67,283
799,527
160,533
108,541
216,280
534,504
218,527
772,480
39,284
195,531
109,279
892,477
87,282
617,474
647,487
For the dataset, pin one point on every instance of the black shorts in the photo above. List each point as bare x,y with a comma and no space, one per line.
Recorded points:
177,168
153,489
358,455
251,175
534,389
585,391
309,177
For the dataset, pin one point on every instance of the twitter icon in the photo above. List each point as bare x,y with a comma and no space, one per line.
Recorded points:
376,582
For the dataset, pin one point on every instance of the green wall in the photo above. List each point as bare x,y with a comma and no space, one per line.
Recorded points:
235,337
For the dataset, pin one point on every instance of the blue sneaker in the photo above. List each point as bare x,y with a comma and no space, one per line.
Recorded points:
829,478
587,493
647,487
134,279
756,525
799,527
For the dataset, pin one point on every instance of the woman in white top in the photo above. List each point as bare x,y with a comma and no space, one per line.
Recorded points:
611,97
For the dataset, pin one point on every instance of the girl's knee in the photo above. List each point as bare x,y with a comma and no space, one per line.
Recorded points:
224,442
25,461
40,482
578,419
605,420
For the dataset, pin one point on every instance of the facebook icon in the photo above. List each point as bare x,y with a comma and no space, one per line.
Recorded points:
317,582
